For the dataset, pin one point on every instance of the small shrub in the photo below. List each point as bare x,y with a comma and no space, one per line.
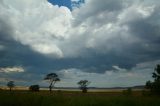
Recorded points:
146,93
59,91
34,88
127,92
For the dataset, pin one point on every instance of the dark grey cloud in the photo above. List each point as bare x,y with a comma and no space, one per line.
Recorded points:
5,30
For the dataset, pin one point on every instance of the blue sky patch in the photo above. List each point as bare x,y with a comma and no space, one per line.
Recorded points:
66,3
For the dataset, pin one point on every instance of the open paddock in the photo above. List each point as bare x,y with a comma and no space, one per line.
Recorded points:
75,98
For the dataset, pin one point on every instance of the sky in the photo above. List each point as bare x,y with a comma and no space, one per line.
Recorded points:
111,43
66,3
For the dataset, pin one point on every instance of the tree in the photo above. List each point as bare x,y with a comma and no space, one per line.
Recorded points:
53,78
155,85
34,88
10,84
156,73
148,84
83,85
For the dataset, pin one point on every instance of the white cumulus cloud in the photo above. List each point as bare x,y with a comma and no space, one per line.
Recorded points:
102,25
11,69
37,24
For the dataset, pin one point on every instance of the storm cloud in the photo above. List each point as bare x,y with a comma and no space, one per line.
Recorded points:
104,39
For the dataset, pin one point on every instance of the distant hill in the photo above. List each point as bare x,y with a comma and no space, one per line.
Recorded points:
138,87
133,87
114,88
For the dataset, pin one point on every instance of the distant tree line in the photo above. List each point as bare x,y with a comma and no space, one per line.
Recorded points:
53,78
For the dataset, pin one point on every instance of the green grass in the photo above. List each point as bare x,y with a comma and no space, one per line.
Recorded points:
44,98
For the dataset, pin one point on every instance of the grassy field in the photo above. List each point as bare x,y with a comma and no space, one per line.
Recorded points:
44,98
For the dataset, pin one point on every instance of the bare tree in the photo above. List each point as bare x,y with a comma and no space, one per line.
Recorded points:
53,78
83,85
10,84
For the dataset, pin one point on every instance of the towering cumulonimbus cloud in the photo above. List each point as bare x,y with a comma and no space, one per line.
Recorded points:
38,24
53,31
